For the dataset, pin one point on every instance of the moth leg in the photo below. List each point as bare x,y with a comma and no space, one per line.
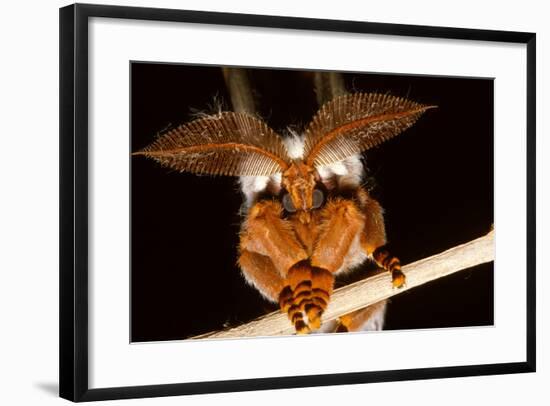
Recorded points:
321,290
373,240
306,296
296,295
341,223
370,318
391,264
272,240
373,237
340,226
266,233
291,293
259,271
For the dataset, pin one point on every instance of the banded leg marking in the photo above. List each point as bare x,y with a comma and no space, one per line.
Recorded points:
391,264
306,296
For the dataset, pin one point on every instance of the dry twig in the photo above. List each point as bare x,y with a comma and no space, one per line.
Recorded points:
374,289
240,90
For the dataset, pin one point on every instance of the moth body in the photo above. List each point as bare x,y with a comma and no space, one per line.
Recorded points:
335,179
306,216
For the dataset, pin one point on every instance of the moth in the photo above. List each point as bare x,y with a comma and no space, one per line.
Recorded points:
307,217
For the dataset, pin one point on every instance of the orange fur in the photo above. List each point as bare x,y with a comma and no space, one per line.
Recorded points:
341,223
294,262
266,233
291,256
299,180
261,273
374,234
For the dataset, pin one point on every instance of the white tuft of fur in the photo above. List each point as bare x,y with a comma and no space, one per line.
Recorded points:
347,173
294,144
376,321
251,186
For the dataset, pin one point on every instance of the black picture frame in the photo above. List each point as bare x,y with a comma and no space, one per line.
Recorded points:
74,201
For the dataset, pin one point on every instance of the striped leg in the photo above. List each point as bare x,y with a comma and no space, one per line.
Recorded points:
293,293
322,283
306,295
391,264
296,295
341,224
268,242
373,240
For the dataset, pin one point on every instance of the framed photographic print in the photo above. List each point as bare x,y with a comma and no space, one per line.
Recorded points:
238,213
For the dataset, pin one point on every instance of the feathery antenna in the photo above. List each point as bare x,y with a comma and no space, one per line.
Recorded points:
354,123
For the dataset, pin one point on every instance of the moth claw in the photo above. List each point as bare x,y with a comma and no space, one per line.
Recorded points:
398,280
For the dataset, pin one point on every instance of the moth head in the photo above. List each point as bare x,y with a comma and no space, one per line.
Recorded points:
299,192
344,127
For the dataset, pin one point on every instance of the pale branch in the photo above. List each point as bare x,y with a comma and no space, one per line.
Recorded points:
374,289
240,90
328,85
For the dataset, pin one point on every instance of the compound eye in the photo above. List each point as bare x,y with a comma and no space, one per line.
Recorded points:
287,203
318,198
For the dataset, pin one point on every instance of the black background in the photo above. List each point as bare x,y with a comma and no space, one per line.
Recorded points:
435,182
